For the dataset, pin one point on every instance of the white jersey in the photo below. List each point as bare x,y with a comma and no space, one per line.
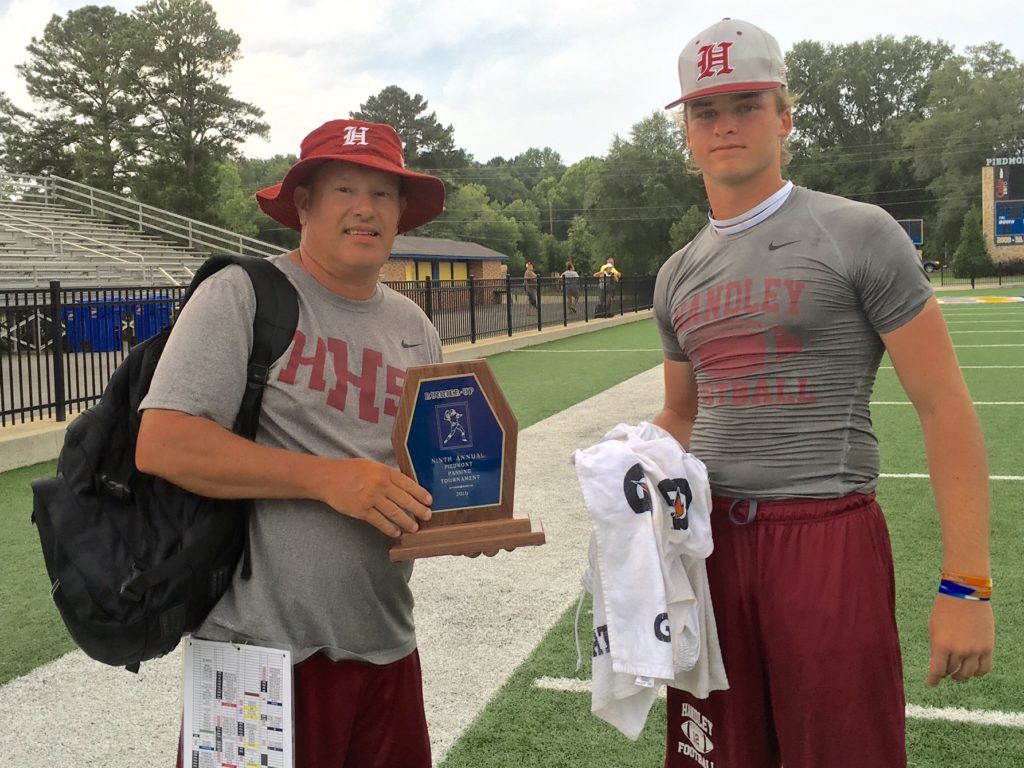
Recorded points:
650,505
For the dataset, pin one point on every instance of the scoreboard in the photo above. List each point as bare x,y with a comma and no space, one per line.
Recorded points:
1009,204
914,229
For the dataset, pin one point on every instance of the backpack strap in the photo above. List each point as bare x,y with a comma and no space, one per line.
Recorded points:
277,316
274,324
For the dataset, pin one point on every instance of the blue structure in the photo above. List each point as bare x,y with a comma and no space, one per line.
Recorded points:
151,316
94,326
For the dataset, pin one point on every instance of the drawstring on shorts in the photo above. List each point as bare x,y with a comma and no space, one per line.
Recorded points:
736,519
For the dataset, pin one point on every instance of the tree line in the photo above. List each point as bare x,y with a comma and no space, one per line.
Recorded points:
136,103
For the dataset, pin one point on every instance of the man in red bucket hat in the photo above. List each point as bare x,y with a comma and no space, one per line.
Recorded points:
329,499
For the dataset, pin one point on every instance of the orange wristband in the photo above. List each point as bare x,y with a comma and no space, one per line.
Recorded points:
970,581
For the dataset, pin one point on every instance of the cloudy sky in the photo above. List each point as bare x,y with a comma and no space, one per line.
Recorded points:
508,75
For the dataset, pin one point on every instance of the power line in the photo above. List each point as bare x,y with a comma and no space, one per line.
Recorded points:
798,163
466,223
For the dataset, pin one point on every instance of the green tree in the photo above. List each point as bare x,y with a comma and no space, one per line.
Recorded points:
470,215
181,55
497,176
79,71
527,218
236,209
255,174
559,199
687,227
971,258
974,111
582,246
855,103
34,145
535,165
15,125
641,190
553,254
428,144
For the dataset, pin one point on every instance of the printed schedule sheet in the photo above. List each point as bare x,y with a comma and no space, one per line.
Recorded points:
238,706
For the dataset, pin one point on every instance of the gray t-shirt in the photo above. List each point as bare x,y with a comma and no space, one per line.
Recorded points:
320,580
781,323
572,280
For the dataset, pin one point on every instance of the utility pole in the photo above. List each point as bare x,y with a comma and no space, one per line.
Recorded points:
551,219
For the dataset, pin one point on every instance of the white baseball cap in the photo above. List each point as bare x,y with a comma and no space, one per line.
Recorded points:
731,56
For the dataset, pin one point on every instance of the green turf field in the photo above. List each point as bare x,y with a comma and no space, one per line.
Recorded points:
525,726
528,726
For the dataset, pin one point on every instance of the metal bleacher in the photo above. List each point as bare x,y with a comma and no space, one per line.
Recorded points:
56,229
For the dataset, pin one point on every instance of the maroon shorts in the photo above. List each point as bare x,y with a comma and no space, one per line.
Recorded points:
804,598
349,714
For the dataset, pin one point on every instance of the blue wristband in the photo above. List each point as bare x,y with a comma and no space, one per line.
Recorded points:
962,591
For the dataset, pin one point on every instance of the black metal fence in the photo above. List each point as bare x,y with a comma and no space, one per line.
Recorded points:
59,346
946,277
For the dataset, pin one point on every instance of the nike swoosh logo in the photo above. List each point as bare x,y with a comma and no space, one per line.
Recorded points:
774,247
407,345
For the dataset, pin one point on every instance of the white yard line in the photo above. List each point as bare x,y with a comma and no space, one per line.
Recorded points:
967,367
926,476
969,310
602,351
991,330
949,714
971,716
976,402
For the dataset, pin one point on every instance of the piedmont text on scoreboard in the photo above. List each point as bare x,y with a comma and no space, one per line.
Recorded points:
1008,195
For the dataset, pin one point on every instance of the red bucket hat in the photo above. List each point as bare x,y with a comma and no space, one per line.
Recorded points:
373,145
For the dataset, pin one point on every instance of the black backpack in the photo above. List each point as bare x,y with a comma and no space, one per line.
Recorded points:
134,560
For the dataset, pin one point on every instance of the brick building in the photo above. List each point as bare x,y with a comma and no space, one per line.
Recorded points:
415,258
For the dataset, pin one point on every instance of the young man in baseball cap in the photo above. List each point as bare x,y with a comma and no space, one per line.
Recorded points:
329,497
773,322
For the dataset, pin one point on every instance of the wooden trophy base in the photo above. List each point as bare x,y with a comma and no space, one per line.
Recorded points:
466,539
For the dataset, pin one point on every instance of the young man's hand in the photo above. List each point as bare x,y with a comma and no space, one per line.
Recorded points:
963,638
375,493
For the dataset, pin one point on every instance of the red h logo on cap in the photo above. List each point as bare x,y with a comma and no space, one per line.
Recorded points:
714,60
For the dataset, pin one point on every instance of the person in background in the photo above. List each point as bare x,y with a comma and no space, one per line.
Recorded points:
571,279
608,276
530,284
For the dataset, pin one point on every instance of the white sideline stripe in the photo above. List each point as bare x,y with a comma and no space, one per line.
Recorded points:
653,349
925,476
965,367
975,301
993,330
972,716
976,402
658,349
949,714
570,685
986,313
979,322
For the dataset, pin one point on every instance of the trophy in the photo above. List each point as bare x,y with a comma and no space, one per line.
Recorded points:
456,436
